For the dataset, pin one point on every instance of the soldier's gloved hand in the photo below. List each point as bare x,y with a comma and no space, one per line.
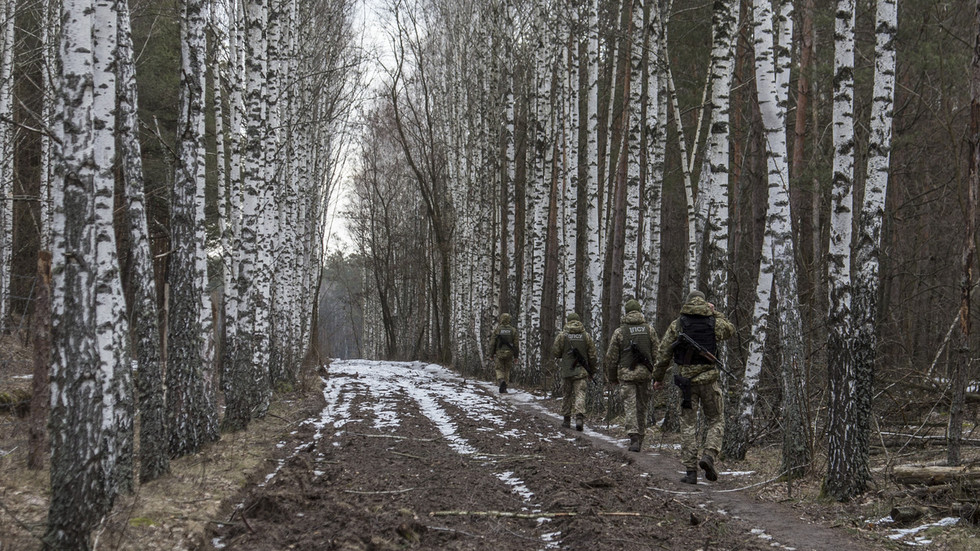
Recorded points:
658,385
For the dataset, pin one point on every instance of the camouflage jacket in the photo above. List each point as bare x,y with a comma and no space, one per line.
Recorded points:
702,373
574,334
612,362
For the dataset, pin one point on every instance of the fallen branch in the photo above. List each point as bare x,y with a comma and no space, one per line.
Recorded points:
378,492
443,529
392,436
496,514
510,514
407,455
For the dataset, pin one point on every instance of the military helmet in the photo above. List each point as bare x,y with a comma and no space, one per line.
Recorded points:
505,318
694,294
632,305
573,317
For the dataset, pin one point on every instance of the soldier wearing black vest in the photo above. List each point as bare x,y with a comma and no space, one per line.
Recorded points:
503,348
629,360
575,352
691,342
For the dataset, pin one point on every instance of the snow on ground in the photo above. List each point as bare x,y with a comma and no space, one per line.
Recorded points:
432,388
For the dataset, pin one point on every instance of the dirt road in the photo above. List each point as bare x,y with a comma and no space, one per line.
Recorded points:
412,455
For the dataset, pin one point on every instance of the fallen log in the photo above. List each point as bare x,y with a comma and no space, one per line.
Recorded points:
933,475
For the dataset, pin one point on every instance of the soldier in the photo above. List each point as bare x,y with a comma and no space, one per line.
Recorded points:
629,361
575,352
691,342
503,348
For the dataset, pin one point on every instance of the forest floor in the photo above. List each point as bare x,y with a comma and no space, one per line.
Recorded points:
396,456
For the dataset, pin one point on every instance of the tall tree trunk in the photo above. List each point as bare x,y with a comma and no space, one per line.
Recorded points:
154,453
6,154
189,402
867,249
80,485
961,360
840,358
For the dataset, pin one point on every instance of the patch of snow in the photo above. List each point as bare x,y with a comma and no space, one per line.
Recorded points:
218,543
517,485
737,473
899,533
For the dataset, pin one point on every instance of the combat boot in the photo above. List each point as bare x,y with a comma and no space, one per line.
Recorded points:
708,464
566,422
691,477
503,387
634,442
579,422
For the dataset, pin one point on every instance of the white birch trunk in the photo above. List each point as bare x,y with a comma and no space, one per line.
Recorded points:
634,133
868,247
778,268
840,414
595,238
80,489
189,400
655,132
154,456
6,154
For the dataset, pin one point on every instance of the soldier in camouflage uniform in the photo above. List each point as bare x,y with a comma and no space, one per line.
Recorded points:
698,378
575,352
629,360
503,348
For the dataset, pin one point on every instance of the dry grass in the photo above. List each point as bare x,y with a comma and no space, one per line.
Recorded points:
170,513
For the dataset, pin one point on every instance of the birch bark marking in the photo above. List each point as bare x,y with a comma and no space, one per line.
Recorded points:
840,368
631,235
594,226
6,154
189,408
653,132
866,281
154,456
79,484
111,324
777,271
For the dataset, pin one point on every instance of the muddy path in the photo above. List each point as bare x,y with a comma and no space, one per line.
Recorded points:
413,456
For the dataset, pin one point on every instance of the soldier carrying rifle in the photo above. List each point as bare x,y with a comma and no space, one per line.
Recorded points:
628,361
503,348
575,352
691,342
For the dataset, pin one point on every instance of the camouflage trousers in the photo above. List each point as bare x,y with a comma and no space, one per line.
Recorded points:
573,396
636,402
708,398
501,368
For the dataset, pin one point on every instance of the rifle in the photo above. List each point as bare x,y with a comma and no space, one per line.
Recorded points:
698,348
579,359
702,351
641,356
500,341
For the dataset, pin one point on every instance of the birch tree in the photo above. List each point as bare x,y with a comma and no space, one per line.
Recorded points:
840,358
6,153
866,281
190,406
87,374
154,452
777,271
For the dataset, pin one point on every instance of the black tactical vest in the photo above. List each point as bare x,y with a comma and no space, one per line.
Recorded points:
506,335
639,336
574,341
702,330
